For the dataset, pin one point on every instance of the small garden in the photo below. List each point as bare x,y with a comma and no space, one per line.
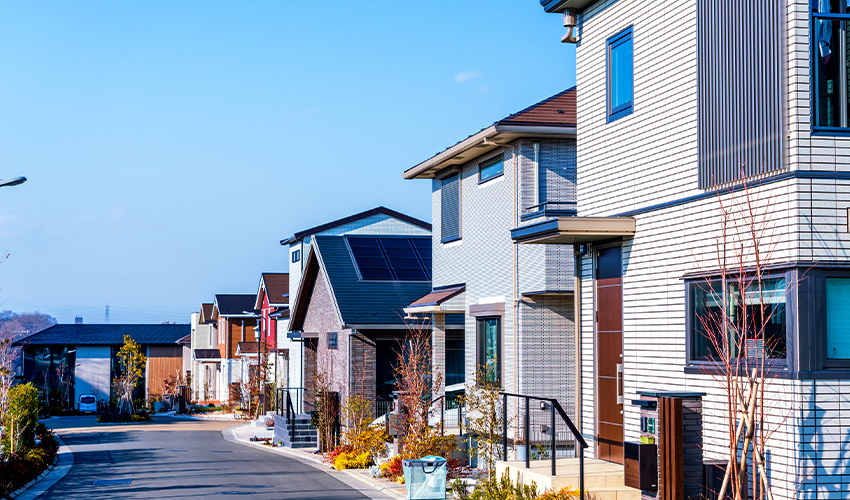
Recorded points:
125,409
363,444
28,447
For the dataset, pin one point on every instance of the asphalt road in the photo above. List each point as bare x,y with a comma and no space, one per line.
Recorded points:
172,458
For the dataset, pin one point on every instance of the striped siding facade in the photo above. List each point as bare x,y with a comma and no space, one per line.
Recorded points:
653,157
537,332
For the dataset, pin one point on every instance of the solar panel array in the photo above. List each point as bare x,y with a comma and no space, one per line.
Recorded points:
392,259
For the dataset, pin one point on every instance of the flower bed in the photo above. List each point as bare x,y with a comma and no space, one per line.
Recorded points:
19,469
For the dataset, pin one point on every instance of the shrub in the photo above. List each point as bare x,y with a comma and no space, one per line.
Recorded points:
352,460
428,441
370,439
331,455
392,469
18,469
20,418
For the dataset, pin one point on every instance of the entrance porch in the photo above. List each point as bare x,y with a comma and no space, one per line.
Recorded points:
603,480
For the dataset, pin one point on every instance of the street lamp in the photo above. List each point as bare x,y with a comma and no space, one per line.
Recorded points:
13,181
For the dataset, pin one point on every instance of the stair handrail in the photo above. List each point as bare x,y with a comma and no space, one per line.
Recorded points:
555,408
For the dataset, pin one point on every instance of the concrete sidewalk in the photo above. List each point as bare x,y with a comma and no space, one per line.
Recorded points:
243,433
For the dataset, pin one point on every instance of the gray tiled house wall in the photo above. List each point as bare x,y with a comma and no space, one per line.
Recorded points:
650,157
375,224
540,358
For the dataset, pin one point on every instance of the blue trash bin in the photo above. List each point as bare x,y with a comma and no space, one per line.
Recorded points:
425,478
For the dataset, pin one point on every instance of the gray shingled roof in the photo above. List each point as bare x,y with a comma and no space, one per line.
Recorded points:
229,304
106,334
365,302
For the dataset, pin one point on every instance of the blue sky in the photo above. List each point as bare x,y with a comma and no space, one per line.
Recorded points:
170,146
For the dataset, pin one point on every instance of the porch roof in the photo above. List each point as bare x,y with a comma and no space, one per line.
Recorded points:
434,301
572,230
207,354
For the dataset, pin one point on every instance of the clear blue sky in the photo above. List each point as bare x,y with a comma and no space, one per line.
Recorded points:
170,146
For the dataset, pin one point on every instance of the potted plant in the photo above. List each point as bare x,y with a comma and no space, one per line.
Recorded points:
520,447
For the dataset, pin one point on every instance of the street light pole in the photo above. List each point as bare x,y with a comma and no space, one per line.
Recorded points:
13,181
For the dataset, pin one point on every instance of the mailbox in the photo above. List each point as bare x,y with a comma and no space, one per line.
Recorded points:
641,466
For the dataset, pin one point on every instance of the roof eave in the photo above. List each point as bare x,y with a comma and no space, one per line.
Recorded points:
558,6
492,137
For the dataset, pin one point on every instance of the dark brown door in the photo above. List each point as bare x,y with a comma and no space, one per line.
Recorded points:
609,354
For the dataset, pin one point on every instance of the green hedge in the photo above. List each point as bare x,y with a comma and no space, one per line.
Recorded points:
20,419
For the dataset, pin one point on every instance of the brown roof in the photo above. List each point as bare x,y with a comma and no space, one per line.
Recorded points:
277,288
560,109
248,347
206,313
437,297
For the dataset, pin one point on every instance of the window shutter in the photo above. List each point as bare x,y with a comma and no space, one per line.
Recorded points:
740,86
450,207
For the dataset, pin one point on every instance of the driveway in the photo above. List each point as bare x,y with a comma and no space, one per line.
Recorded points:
173,458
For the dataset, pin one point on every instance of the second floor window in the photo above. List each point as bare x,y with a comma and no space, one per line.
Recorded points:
450,208
332,340
296,256
830,75
491,169
620,75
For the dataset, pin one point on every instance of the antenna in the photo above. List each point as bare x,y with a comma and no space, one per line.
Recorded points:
106,317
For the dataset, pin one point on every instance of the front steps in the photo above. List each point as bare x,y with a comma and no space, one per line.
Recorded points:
305,435
602,480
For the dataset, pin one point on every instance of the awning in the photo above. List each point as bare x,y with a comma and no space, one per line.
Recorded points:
436,301
207,354
571,230
247,348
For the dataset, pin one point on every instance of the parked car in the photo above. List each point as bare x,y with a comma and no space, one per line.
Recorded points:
87,404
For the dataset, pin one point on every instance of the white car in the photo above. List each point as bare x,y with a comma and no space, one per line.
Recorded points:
87,404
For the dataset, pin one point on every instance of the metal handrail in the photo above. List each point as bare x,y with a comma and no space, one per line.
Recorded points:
443,402
554,407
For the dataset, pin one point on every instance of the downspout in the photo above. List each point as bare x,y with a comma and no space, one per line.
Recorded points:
516,273
577,323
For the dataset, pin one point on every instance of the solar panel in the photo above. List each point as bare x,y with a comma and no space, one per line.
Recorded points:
392,258
370,259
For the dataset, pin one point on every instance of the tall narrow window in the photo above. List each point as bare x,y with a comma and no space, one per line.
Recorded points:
332,340
830,45
620,75
490,349
537,181
450,208
838,318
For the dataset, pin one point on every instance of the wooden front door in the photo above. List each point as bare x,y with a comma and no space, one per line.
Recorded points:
609,354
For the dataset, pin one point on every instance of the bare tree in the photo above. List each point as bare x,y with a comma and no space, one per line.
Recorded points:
740,311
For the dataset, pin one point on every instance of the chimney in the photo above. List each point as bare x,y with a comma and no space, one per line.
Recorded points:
78,320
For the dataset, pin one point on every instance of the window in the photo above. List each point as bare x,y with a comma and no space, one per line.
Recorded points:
296,256
332,340
491,169
756,320
837,318
830,66
620,75
450,208
490,349
392,259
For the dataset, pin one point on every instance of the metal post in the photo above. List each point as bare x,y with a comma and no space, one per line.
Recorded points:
581,472
527,435
505,426
460,418
443,416
552,430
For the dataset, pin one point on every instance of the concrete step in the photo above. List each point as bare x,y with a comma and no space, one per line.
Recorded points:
602,480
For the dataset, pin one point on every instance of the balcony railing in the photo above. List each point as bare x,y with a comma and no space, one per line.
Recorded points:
550,209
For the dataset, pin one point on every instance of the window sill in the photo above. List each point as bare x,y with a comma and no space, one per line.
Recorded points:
831,131
488,179
450,239
612,117
778,369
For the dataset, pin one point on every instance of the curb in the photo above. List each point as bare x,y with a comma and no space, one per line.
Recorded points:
53,473
314,462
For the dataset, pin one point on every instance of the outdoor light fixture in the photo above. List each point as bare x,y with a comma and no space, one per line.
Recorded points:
13,181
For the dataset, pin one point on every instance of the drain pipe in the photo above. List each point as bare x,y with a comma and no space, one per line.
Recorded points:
516,276
577,323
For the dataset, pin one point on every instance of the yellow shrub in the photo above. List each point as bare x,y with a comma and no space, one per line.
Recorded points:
370,439
429,442
352,460
562,494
